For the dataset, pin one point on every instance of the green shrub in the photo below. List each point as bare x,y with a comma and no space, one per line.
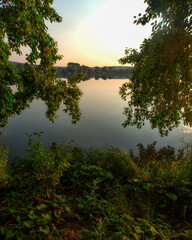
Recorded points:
119,163
64,192
42,169
114,160
4,151
32,203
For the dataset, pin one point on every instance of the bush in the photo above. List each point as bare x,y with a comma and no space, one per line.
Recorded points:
4,151
64,192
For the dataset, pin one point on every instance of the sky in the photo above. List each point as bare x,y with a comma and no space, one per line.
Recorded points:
95,32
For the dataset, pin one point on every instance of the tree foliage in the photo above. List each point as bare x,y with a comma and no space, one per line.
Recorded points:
22,23
160,87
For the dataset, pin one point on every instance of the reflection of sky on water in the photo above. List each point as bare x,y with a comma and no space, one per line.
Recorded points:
187,130
100,124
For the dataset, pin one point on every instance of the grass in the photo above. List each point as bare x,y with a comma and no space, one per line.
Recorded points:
64,192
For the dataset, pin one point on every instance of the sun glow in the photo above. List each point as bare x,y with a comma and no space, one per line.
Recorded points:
96,36
107,33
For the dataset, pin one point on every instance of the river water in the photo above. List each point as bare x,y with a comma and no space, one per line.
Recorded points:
100,124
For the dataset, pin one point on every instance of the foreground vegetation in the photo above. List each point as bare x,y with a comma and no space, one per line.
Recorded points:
64,192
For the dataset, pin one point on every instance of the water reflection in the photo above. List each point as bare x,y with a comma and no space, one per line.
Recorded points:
100,124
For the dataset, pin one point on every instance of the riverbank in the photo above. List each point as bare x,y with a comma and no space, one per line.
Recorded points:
64,192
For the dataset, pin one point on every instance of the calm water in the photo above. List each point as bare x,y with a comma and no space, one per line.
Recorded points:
100,124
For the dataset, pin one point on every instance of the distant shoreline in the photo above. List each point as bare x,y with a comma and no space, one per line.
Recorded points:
106,72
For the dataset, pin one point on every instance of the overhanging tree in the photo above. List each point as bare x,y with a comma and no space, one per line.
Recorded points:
160,88
22,23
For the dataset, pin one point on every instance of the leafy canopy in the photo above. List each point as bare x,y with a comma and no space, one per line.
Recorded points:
22,23
160,88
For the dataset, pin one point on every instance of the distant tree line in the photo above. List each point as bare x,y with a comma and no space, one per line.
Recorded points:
93,72
89,72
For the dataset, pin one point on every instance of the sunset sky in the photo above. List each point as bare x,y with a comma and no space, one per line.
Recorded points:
96,32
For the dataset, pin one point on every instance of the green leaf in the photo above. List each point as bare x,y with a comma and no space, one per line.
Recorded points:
177,117
10,99
44,229
32,216
162,205
10,234
41,206
76,173
40,20
29,223
15,194
138,230
172,196
18,218
3,231
161,216
19,236
68,209
47,216
127,217
42,221
57,215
